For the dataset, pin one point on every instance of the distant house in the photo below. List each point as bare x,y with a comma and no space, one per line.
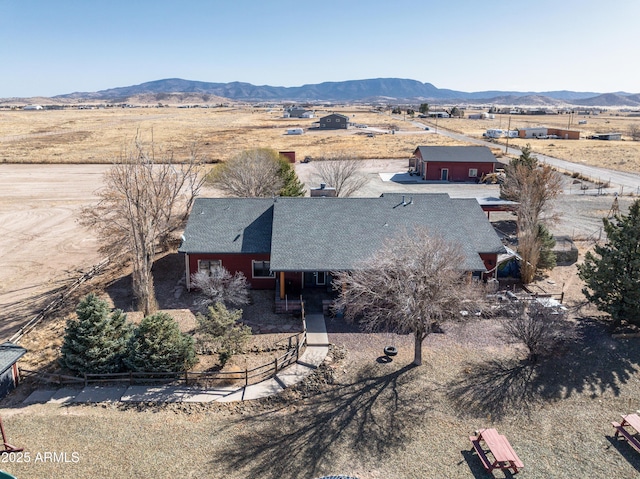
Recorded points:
296,243
295,112
453,163
534,132
9,355
335,121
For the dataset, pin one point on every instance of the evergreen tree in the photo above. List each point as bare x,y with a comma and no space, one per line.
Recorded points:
547,259
612,272
96,340
222,327
158,345
292,186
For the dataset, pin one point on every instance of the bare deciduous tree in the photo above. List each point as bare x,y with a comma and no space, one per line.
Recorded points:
634,131
250,174
342,173
219,285
533,186
411,286
143,201
540,328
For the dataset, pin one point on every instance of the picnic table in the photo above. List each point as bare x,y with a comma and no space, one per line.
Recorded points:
504,457
629,421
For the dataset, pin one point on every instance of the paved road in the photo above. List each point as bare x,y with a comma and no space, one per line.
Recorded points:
621,181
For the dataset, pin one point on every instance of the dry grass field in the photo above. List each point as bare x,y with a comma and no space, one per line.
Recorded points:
99,136
618,155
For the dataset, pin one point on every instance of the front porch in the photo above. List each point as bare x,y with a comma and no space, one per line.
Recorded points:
308,290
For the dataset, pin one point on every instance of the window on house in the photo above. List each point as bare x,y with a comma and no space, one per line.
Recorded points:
473,172
328,120
337,120
208,265
262,269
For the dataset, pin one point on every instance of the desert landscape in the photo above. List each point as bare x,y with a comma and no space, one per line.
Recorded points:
355,414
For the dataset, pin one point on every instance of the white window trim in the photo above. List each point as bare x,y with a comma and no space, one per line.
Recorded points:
212,263
272,274
473,172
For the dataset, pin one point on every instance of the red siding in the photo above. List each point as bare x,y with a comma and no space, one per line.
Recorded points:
458,171
490,260
237,262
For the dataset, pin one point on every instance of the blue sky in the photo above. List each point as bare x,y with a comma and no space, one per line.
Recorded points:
50,47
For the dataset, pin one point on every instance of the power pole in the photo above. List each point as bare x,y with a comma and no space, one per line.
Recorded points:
506,148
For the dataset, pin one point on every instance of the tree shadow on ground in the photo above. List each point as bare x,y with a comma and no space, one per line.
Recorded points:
371,416
592,364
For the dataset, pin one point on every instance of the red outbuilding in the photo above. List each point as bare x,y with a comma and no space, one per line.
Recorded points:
453,163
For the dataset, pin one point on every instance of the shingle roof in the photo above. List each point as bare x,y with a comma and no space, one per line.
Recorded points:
316,234
9,355
330,234
455,154
229,225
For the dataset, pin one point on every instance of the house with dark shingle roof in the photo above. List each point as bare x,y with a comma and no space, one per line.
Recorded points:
297,242
453,163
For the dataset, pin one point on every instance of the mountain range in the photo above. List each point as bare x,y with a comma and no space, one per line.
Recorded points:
378,89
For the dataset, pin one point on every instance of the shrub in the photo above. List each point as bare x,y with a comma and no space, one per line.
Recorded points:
221,327
158,345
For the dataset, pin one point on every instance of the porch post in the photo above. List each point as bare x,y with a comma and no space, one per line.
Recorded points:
186,261
281,284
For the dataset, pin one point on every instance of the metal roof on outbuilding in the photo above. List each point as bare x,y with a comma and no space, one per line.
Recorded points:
9,355
457,154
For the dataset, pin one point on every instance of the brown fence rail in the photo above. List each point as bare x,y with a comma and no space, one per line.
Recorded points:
296,342
55,304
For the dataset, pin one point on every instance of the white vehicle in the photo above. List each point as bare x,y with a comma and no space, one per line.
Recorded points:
494,133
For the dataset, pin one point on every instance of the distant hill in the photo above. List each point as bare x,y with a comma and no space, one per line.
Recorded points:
378,89
610,99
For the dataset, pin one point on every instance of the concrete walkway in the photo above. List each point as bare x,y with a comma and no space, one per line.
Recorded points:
313,356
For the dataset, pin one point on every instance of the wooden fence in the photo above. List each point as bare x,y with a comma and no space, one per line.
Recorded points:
296,344
55,304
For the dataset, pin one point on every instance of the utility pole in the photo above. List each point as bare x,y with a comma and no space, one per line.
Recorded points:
506,148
